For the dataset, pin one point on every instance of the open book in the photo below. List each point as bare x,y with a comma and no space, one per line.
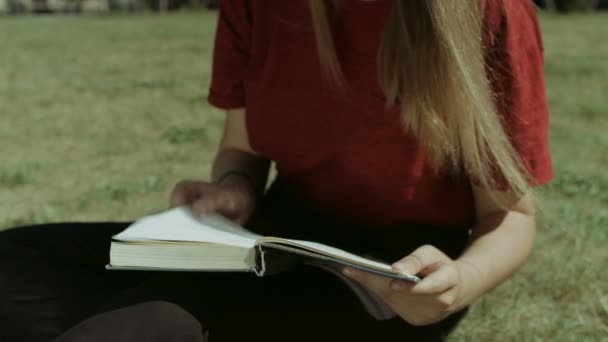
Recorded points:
176,240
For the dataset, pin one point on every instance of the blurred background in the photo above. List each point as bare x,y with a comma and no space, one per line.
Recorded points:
102,110
101,6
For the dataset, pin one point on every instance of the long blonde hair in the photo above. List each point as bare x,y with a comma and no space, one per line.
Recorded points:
431,63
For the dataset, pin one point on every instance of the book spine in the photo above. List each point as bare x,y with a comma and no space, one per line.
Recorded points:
260,261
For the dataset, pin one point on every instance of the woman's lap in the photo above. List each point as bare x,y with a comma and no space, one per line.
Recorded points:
150,322
53,277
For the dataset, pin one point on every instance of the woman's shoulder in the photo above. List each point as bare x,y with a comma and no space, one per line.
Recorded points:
510,17
496,11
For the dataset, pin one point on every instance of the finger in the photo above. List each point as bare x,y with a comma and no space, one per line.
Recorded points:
401,286
184,193
438,282
178,197
423,258
204,205
217,202
226,205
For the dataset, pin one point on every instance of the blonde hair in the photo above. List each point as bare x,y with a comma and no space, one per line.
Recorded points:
431,63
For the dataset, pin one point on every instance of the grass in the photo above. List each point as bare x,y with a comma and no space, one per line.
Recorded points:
100,116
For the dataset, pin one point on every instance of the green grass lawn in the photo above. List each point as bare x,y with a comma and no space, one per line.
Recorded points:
100,116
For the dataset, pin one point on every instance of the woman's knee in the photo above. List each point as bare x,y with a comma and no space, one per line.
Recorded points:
171,321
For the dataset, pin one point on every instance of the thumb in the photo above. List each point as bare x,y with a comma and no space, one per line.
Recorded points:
422,260
184,193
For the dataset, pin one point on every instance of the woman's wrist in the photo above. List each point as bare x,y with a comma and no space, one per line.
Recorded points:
241,169
498,248
471,283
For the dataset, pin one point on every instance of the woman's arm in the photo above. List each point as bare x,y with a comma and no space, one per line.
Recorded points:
236,161
501,242
238,176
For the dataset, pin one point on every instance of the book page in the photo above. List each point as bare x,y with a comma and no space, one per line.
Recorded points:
328,250
180,224
336,253
180,256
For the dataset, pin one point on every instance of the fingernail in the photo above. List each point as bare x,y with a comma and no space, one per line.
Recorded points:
402,268
348,272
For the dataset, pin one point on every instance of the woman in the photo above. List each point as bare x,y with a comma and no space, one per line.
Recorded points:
411,131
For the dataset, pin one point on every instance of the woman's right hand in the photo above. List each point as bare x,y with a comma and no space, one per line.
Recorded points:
234,198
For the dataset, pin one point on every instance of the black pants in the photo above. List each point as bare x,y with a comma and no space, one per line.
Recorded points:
53,285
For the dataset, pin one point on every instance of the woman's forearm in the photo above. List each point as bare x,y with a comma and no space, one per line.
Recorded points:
236,161
500,245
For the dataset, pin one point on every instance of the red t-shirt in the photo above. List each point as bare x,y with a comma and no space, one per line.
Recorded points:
345,153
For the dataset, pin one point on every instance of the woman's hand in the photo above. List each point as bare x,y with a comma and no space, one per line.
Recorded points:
233,198
440,293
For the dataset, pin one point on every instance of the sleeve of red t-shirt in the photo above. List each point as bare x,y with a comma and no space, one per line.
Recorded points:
231,55
514,57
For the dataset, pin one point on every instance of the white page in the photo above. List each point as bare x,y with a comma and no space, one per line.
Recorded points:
180,224
332,251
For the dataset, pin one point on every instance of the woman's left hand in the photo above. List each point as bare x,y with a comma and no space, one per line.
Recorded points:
439,294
